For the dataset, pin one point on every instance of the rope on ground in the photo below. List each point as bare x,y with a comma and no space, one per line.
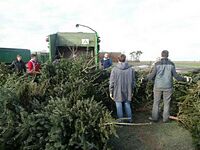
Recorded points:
128,124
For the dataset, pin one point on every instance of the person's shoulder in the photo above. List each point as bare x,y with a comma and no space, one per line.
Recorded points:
29,63
171,62
164,62
114,67
159,62
130,67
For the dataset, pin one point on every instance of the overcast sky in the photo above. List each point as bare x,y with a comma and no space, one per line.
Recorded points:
123,25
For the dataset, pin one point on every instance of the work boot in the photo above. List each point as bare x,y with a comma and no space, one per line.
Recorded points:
151,119
166,121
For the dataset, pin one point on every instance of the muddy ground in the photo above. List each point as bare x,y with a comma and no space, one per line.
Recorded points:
157,136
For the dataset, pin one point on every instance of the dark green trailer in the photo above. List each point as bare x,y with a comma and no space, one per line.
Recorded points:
71,44
7,55
42,56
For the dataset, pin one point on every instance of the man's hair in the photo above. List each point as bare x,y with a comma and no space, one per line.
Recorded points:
122,58
33,55
165,53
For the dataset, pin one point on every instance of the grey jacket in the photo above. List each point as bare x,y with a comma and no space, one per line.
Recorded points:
163,73
122,82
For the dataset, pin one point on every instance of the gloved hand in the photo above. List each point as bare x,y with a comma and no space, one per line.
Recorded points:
188,79
111,96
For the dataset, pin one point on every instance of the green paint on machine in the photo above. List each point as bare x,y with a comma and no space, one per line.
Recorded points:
7,55
72,44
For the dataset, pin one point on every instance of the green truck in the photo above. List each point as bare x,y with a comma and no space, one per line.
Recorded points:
72,44
7,55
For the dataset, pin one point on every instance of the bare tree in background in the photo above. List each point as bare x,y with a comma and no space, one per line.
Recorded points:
132,55
138,54
135,55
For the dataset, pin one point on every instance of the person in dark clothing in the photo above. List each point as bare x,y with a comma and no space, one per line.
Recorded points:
163,72
18,65
106,62
122,82
57,59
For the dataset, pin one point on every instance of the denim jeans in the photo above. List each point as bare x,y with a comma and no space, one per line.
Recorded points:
127,110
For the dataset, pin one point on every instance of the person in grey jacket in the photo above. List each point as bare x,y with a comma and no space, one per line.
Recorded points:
122,82
162,73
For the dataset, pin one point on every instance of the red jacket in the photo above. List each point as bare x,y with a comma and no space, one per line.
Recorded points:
33,66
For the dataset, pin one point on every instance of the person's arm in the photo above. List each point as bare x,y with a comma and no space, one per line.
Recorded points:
152,75
134,81
111,84
110,61
176,76
24,67
12,65
101,62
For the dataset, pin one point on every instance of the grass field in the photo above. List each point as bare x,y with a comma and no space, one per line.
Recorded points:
179,64
187,64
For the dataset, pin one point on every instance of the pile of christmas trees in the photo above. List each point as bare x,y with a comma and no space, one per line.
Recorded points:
63,108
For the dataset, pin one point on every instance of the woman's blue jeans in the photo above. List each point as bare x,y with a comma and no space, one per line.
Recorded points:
127,110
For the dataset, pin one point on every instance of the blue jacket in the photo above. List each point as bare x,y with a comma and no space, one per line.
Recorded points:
106,63
163,73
